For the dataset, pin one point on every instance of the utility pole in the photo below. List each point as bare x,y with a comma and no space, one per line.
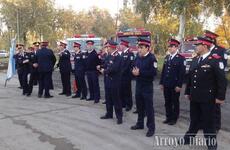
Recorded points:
117,17
18,30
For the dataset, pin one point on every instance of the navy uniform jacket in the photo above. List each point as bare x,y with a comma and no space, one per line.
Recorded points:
22,67
173,71
80,63
220,51
32,61
64,63
104,63
127,65
148,68
206,81
112,71
103,60
92,61
45,59
18,62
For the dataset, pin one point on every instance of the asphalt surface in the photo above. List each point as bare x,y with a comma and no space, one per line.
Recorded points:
61,123
159,100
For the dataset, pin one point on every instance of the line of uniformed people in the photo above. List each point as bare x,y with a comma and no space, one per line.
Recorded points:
118,72
171,80
173,74
27,73
85,65
40,63
206,87
34,67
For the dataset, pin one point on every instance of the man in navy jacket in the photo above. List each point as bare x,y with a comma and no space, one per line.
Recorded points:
171,81
45,59
65,69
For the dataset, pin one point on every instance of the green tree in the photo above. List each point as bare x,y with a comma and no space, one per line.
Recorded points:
27,16
223,30
128,19
184,9
104,25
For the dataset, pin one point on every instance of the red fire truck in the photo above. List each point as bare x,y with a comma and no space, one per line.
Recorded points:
187,50
82,38
132,36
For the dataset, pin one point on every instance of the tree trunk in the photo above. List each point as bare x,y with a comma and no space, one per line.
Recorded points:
24,38
225,32
182,25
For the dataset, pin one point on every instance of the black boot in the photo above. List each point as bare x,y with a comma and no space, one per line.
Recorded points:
106,117
137,127
119,121
150,133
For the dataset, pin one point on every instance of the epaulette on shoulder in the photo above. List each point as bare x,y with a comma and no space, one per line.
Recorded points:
210,57
167,56
179,54
116,54
221,46
216,56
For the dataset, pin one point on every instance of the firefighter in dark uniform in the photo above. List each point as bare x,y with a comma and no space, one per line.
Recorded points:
103,63
126,75
46,60
33,70
206,87
171,81
65,69
92,62
216,49
113,79
17,57
219,52
23,60
145,69
79,72
26,71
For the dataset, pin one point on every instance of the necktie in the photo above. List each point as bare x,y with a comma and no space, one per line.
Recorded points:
200,60
170,58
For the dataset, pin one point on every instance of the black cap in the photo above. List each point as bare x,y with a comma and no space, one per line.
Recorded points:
173,42
90,42
144,42
112,44
36,43
19,44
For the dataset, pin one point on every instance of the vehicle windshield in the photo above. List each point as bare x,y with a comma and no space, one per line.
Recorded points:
188,48
97,44
132,39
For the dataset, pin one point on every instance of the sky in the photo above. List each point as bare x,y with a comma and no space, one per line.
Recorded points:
111,5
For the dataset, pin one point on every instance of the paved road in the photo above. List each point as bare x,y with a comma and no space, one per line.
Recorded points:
64,123
159,101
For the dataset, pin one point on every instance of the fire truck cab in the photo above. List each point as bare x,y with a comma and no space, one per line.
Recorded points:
132,35
187,50
82,38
